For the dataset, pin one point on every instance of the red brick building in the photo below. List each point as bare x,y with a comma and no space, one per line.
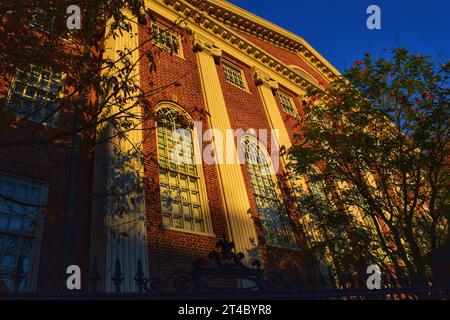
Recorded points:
234,71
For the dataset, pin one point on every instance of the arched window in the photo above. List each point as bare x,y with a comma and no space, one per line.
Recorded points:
306,75
271,210
179,177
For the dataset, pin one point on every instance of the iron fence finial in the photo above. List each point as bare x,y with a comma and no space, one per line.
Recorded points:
140,280
118,276
95,276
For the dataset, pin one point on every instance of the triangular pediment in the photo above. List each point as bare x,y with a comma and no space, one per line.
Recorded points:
229,22
247,22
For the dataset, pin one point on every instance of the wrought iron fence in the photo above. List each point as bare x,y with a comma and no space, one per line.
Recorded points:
230,278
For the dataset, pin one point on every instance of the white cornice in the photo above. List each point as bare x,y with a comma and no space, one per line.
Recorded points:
254,25
202,19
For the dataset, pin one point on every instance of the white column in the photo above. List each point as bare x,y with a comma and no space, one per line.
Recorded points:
237,205
108,242
267,89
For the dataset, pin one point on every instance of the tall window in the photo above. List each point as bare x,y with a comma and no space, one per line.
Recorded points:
34,94
287,103
271,210
178,174
234,75
166,39
20,216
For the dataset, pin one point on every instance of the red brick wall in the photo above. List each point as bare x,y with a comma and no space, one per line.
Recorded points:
246,111
171,251
32,163
48,164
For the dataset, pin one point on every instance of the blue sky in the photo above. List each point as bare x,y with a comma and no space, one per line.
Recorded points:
337,28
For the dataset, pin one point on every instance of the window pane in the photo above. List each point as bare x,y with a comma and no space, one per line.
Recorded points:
199,226
163,176
183,181
287,104
164,191
234,76
189,224
165,39
166,220
187,210
195,197
178,222
21,192
197,212
8,188
36,195
176,207
185,195
3,221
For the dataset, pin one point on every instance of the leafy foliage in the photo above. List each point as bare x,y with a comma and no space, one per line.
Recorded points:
100,96
374,149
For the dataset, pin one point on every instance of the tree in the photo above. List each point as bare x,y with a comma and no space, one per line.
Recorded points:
374,149
98,92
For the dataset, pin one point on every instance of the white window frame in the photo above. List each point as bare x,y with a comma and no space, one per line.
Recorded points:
208,229
290,99
231,66
271,178
21,96
160,28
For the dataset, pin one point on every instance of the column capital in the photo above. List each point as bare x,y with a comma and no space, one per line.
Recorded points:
263,79
200,44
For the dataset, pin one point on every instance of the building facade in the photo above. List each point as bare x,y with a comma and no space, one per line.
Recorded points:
234,71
